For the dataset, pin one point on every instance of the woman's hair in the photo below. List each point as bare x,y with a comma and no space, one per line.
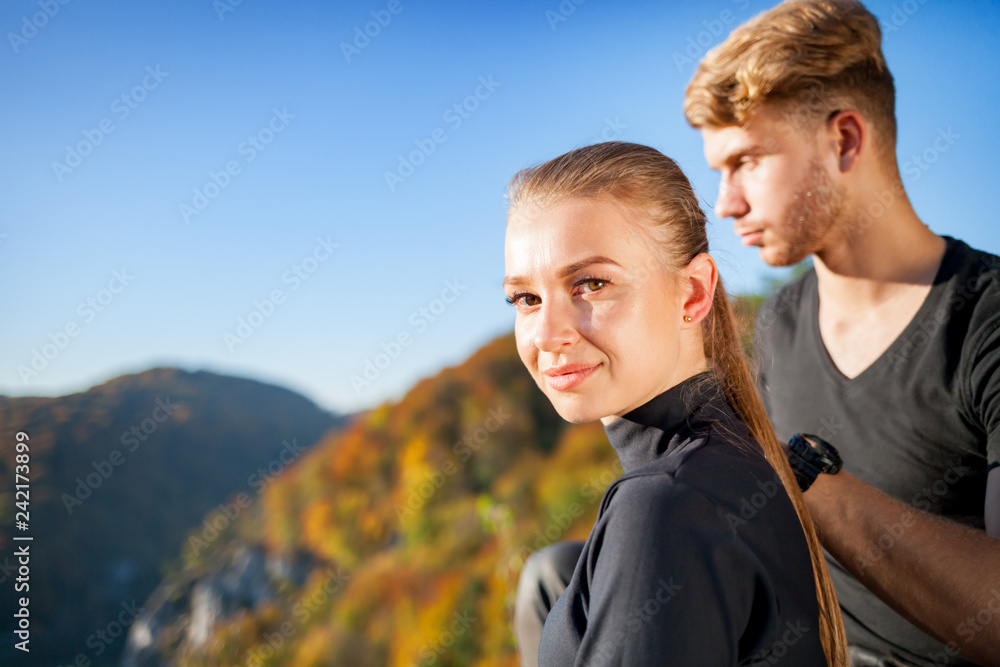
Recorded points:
652,187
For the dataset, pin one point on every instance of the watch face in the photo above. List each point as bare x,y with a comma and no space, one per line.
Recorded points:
817,452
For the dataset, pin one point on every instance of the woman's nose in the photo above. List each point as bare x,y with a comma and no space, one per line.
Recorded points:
555,326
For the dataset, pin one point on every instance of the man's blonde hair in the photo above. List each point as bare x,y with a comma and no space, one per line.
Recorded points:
806,58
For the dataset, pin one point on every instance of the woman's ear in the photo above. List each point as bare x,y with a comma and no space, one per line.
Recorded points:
701,277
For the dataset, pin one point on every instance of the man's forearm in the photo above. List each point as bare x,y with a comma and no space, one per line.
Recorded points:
943,576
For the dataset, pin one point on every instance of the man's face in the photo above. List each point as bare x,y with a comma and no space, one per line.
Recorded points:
776,186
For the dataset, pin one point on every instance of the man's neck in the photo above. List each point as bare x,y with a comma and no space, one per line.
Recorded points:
874,258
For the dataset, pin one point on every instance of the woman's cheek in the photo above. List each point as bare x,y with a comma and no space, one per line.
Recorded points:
602,316
525,350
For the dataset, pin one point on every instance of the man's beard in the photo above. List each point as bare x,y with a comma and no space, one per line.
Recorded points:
814,212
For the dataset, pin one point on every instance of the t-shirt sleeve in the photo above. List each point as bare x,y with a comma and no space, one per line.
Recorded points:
984,386
669,580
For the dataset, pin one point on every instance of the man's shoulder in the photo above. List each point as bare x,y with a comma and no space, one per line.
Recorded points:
973,301
972,298
976,270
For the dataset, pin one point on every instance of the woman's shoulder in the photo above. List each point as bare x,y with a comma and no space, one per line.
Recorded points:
660,524
648,497
715,460
719,481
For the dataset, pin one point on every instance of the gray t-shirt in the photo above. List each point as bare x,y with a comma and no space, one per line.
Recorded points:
921,423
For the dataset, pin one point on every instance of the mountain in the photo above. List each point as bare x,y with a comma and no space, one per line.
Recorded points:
118,475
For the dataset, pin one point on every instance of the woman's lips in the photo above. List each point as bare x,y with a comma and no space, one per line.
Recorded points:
567,381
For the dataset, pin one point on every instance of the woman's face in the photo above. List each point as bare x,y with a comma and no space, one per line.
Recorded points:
599,319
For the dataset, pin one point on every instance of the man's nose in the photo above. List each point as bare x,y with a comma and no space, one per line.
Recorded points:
731,203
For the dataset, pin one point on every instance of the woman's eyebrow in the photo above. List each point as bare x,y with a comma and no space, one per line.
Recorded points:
576,266
567,270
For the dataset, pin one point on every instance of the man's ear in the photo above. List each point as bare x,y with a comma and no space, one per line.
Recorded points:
701,276
848,132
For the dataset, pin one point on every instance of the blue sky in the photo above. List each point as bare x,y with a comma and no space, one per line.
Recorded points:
172,167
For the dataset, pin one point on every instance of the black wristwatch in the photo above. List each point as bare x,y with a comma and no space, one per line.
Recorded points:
811,455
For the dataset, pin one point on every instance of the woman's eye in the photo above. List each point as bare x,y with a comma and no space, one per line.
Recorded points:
593,284
522,299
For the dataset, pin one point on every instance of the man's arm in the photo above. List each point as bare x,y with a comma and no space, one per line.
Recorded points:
941,575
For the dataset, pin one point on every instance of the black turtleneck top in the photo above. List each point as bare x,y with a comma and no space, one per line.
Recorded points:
697,557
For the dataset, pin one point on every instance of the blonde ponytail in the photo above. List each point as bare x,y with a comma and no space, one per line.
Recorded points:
722,347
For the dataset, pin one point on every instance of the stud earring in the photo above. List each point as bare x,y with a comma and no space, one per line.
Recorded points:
687,318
